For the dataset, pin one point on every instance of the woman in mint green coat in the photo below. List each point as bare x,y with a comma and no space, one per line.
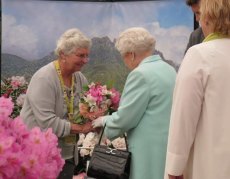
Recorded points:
145,105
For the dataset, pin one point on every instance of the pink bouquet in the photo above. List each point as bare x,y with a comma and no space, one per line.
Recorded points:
26,154
97,100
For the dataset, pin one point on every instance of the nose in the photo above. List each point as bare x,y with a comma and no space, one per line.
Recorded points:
85,59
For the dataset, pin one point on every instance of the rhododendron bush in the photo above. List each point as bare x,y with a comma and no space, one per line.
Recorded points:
26,154
33,154
15,87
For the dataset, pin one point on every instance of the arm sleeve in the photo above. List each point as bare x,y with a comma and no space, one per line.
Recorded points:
42,96
186,110
134,101
82,79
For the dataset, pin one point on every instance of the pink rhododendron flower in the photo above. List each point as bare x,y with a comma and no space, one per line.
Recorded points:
26,154
6,106
115,99
96,92
17,81
14,88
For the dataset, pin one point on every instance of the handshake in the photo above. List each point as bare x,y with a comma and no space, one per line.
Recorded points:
88,127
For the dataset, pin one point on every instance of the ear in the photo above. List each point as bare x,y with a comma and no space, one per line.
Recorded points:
207,21
62,56
133,56
126,55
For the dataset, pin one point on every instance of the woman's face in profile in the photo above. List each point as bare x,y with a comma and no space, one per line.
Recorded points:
128,60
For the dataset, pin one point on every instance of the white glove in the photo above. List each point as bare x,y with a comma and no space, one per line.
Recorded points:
99,122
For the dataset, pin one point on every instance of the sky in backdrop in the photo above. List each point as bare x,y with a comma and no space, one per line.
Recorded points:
31,28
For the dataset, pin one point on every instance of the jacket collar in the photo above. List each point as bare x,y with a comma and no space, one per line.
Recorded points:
151,58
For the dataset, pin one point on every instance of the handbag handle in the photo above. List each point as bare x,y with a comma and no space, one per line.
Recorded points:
126,143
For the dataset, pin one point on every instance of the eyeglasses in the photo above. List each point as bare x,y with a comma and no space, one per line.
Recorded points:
82,56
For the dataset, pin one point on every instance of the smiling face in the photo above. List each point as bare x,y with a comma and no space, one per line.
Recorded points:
76,60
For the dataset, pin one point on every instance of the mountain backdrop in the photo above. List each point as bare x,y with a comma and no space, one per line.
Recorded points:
105,65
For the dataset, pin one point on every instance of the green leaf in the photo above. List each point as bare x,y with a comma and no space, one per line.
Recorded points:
85,88
110,84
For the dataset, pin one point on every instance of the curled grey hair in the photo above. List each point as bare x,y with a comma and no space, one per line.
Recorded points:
71,40
136,39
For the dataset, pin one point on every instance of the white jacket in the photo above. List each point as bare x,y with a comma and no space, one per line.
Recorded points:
199,144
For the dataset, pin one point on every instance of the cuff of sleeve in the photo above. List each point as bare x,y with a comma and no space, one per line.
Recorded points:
175,164
67,129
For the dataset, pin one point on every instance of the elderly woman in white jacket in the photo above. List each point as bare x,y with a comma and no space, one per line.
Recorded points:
198,144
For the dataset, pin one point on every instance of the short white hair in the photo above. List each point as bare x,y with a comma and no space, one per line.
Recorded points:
136,39
71,40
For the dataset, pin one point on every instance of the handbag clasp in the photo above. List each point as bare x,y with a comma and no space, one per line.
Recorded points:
110,151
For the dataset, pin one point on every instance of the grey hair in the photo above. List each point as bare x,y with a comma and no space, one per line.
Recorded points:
71,40
136,39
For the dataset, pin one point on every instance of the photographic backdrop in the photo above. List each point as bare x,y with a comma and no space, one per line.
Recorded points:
30,29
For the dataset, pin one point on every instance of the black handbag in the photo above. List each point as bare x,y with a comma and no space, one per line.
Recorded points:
109,163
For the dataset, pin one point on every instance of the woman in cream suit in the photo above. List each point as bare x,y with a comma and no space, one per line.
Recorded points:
145,105
199,145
